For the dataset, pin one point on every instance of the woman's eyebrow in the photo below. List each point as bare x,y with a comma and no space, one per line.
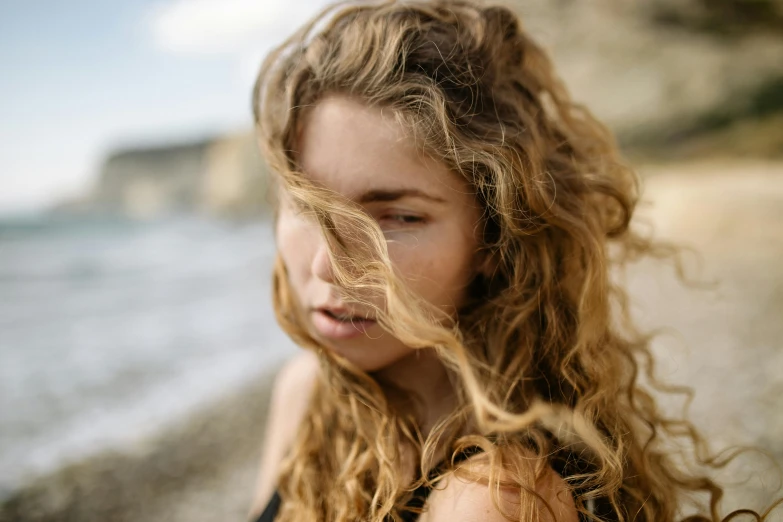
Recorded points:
385,195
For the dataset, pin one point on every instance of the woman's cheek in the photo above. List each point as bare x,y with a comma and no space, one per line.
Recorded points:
283,236
294,243
418,262
441,267
407,251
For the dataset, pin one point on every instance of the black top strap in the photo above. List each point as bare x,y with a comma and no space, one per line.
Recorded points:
271,509
417,500
420,494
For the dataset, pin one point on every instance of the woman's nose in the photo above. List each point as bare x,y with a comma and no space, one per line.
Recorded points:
321,266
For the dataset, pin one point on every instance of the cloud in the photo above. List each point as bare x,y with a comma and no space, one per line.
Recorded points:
220,27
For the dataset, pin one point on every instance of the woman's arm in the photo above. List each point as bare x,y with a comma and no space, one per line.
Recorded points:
288,404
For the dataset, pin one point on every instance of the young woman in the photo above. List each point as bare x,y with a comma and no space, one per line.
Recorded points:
448,220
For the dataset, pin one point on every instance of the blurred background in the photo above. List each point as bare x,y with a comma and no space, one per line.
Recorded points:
137,341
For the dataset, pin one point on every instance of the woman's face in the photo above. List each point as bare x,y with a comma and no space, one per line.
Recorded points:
428,214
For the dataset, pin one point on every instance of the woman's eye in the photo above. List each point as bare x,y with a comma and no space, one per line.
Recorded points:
402,219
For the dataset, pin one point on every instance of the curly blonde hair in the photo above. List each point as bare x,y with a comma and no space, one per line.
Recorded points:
544,357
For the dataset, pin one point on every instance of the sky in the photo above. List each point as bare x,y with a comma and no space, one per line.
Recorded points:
80,79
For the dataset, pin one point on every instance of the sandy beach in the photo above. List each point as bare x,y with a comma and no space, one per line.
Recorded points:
725,338
727,347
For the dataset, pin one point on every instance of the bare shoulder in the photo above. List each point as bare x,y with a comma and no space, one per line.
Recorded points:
288,403
458,499
294,382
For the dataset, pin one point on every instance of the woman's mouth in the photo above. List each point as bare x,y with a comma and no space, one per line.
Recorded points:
339,324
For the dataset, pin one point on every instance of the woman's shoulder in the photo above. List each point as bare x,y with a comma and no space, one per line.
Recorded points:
458,498
290,397
288,403
296,378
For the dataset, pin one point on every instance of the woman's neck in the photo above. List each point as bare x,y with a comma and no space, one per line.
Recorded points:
423,375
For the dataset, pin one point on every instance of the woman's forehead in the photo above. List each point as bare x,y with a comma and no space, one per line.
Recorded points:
352,148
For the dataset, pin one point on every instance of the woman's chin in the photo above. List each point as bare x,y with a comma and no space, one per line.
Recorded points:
369,354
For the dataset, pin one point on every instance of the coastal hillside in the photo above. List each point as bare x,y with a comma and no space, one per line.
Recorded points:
221,176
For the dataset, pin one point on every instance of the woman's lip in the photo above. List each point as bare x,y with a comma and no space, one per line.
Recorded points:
332,328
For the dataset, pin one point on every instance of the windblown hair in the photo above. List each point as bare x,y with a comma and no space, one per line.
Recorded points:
544,356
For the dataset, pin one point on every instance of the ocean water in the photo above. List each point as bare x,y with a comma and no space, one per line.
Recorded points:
110,330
